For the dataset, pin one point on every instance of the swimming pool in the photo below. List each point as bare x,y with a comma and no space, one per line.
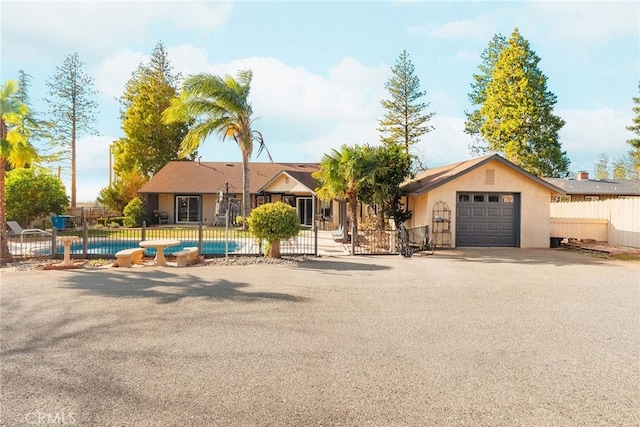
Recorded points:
109,247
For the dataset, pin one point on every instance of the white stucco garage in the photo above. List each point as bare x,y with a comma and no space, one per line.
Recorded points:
483,202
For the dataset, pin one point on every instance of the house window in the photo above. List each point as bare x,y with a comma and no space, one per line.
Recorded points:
326,209
507,198
290,200
494,198
591,198
187,208
261,200
478,198
463,198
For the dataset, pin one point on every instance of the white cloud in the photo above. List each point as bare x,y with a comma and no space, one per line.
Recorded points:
588,133
479,28
92,27
350,92
114,72
447,143
587,22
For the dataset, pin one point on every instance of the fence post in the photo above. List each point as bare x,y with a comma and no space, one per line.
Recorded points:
54,236
315,239
85,240
200,238
354,236
143,230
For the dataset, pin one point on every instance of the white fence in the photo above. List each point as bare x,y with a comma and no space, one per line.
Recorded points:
622,218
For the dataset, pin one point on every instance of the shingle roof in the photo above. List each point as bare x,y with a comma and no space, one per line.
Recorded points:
187,177
432,178
620,187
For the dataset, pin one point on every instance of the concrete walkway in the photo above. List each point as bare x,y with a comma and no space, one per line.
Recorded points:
478,338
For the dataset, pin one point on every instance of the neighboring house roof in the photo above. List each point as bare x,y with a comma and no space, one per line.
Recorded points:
187,177
433,178
620,187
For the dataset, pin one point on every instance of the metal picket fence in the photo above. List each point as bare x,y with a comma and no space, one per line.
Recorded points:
105,242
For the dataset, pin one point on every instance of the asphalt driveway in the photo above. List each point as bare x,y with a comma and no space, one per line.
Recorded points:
482,337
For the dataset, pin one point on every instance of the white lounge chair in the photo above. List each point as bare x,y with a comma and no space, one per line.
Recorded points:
19,231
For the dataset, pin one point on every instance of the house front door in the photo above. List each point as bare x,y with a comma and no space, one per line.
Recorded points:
305,210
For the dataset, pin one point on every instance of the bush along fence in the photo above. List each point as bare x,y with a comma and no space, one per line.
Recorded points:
105,242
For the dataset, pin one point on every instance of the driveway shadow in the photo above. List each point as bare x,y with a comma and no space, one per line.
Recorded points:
341,265
166,287
558,257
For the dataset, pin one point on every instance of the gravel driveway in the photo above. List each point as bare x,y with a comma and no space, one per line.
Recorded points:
476,337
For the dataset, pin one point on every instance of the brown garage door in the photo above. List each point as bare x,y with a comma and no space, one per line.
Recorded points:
487,219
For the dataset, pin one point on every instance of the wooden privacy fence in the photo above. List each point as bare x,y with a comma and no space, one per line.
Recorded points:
616,221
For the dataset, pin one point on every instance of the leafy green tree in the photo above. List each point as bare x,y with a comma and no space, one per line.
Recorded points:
32,193
620,168
516,117
123,189
274,222
478,94
635,142
15,150
405,120
72,111
391,166
219,105
344,175
149,143
602,167
134,213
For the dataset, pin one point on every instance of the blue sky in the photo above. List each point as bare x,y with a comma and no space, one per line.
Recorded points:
320,67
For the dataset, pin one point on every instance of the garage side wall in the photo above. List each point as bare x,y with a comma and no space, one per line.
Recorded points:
534,201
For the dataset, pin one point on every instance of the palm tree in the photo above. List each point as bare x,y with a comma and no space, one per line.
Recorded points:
14,150
221,105
342,175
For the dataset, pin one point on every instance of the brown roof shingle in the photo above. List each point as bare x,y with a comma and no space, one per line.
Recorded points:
187,177
432,178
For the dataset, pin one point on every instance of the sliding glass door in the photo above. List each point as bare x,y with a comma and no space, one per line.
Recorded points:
187,209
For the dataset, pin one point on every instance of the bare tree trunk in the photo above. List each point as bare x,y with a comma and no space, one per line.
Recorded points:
246,195
5,255
73,156
274,249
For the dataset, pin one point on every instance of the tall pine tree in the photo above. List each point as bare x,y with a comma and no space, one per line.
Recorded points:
516,117
635,142
479,92
72,111
149,143
405,120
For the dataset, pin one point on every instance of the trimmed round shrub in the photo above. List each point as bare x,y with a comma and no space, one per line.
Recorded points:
274,222
134,213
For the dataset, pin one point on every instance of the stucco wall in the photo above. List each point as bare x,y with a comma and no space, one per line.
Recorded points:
165,204
208,208
534,201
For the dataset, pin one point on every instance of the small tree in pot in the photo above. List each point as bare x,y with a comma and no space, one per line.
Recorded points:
273,222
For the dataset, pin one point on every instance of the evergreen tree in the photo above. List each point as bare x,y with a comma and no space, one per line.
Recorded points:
516,117
479,92
72,111
635,142
149,143
405,120
33,127
602,167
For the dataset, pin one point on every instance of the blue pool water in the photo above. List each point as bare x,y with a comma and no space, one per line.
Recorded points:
209,247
